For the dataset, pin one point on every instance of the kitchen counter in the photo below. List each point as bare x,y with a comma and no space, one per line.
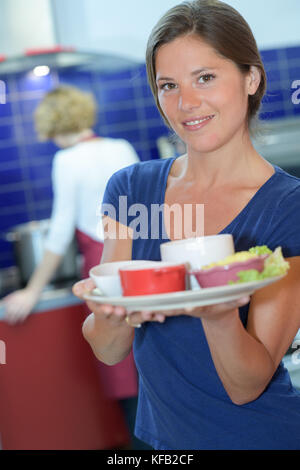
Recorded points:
59,298
50,394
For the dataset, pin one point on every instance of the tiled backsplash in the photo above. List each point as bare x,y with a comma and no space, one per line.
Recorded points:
126,110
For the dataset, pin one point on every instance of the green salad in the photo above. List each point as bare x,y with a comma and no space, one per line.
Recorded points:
275,265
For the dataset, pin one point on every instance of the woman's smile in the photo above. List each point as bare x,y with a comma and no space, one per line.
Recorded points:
197,123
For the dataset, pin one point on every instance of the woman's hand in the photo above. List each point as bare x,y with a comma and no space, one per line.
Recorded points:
209,312
19,304
109,329
116,315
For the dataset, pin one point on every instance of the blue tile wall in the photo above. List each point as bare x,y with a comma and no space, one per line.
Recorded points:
282,67
126,110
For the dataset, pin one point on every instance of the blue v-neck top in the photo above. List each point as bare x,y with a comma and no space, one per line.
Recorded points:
182,402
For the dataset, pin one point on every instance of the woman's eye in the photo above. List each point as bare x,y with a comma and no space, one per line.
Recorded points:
167,86
206,78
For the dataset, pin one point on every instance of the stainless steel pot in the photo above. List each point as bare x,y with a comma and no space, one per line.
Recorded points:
28,243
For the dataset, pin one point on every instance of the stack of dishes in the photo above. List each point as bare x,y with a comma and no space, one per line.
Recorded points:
193,272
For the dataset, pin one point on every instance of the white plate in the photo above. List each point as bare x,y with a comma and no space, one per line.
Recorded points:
183,299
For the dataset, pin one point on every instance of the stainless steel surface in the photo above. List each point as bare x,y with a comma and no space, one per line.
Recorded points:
91,61
9,280
29,245
279,142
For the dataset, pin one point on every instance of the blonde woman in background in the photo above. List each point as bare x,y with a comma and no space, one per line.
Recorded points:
80,173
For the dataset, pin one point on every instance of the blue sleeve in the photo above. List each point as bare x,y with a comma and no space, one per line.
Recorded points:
118,195
285,225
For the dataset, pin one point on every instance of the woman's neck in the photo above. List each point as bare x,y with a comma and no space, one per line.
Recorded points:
86,134
235,161
69,140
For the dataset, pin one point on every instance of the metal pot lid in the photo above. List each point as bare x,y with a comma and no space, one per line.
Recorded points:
32,226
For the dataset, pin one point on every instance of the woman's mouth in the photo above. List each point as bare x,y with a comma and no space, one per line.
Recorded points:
197,123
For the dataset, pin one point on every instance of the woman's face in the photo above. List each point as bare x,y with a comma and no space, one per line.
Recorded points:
203,95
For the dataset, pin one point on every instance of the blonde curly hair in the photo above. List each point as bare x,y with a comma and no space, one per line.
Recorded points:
64,110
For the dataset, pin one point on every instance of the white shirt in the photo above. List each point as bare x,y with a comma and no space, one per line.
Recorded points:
79,178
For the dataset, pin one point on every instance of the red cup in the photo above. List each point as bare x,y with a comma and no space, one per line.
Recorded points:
158,279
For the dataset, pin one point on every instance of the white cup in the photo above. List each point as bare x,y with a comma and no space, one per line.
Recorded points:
106,276
198,252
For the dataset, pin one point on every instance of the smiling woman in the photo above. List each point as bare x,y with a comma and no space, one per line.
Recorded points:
231,38
209,377
214,97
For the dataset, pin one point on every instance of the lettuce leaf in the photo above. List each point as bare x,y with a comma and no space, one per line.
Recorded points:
247,276
260,250
275,265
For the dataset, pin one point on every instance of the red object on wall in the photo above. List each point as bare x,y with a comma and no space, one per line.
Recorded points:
50,396
49,50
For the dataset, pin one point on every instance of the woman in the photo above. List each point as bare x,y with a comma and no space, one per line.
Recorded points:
211,377
81,170
66,115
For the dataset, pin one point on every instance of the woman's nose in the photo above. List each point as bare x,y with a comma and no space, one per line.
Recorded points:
189,99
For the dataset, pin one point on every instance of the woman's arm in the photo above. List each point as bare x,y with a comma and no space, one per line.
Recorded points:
246,359
106,330
20,303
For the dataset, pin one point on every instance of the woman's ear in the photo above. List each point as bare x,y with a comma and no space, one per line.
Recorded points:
253,80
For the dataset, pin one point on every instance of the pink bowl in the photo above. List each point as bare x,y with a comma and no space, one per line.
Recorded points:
221,275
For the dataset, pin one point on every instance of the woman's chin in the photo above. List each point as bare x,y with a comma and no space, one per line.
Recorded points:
204,147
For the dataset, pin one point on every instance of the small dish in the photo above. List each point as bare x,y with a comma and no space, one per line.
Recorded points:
157,278
184,299
222,275
106,276
198,251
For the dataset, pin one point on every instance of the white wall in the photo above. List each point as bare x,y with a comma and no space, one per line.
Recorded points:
275,23
123,26
25,24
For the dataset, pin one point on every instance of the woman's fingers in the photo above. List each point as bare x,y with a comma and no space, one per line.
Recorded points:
161,315
83,287
215,309
19,304
117,314
146,316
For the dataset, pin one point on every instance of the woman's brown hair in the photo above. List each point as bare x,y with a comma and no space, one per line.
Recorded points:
220,26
